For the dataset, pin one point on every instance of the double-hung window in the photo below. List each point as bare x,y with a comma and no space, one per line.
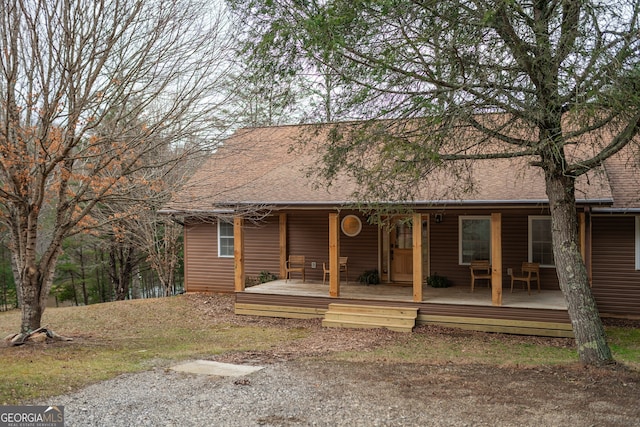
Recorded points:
475,238
225,239
540,244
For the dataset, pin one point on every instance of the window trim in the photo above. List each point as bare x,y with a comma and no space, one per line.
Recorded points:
637,242
530,238
220,237
461,218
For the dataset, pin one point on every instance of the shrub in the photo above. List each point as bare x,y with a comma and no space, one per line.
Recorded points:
263,277
436,281
369,277
266,276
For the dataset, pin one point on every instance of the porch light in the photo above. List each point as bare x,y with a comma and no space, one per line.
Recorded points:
351,225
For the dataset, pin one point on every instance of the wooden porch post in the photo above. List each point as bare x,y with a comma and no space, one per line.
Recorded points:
283,244
584,219
238,253
334,254
417,257
496,259
581,233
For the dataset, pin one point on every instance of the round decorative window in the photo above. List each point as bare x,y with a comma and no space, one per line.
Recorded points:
351,225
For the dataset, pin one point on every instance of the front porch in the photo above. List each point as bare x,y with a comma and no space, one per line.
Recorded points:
493,309
457,295
543,313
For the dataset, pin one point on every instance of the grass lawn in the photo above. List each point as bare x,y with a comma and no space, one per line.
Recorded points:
130,336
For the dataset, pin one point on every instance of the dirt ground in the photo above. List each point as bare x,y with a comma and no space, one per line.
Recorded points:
430,392
588,396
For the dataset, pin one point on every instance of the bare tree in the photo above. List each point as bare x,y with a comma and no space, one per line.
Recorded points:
141,229
88,89
163,235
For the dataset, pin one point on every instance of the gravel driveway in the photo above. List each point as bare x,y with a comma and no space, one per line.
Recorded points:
302,385
311,392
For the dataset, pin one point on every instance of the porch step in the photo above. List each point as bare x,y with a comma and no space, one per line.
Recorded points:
400,319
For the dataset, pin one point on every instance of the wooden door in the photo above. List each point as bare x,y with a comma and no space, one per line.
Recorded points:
401,241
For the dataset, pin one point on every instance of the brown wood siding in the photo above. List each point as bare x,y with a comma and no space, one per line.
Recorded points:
488,312
308,235
362,249
443,250
262,247
616,282
515,246
204,270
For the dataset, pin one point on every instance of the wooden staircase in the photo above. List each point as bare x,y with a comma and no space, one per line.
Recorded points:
401,319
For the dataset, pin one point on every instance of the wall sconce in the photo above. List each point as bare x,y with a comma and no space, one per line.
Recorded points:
438,218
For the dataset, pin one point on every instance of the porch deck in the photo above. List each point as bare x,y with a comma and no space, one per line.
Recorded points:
543,313
456,295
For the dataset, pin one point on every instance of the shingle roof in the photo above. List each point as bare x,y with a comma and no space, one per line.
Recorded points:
269,166
623,173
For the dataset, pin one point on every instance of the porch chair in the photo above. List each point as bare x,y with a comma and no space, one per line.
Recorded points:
295,264
529,272
480,270
342,261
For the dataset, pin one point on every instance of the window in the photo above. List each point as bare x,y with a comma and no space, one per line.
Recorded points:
225,239
638,242
475,238
540,245
404,235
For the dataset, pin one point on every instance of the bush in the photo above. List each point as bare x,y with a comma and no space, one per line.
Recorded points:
369,277
250,281
265,277
436,281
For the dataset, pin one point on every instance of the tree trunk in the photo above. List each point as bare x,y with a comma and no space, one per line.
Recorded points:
120,268
35,286
100,279
83,279
135,284
33,271
166,270
31,308
16,278
75,291
572,273
172,286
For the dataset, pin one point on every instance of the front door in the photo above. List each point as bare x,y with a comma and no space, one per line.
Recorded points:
401,241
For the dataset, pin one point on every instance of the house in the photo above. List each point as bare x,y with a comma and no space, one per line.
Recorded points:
253,203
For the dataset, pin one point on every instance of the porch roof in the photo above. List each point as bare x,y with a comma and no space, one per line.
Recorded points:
270,167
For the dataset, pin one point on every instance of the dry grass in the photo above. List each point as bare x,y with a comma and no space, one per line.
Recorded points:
129,336
436,345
